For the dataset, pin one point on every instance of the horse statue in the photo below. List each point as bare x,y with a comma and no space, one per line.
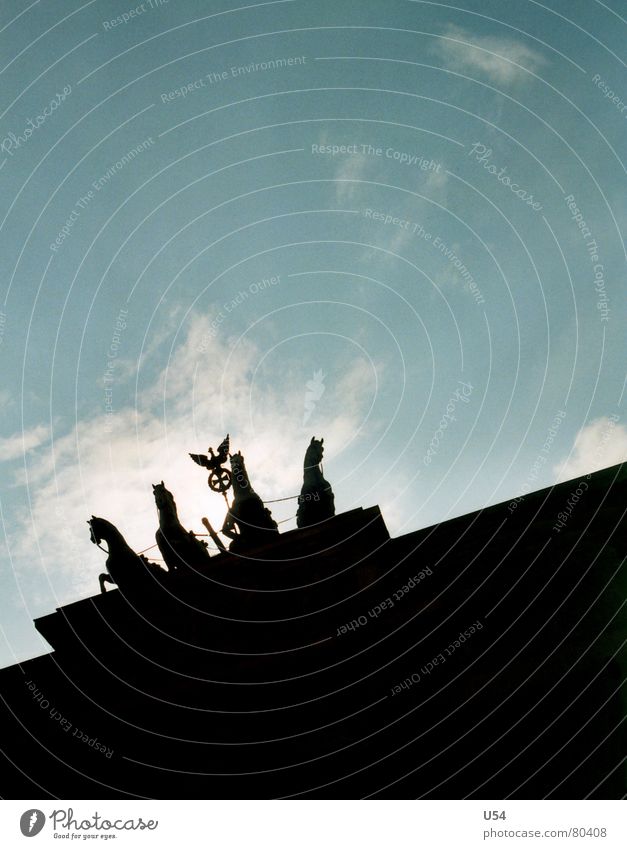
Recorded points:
179,548
124,568
254,522
316,501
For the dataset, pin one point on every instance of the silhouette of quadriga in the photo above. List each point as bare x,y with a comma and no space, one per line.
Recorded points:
254,522
179,548
316,501
125,568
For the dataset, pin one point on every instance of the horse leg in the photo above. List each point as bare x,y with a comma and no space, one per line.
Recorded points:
103,578
167,553
228,528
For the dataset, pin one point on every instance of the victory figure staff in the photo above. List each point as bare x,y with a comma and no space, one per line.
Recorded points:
219,478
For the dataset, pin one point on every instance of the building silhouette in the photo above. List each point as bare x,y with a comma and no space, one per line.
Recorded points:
483,657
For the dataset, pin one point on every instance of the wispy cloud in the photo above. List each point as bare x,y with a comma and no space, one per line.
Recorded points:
20,443
349,169
601,443
502,60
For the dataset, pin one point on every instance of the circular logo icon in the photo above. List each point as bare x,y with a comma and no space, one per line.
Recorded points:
32,822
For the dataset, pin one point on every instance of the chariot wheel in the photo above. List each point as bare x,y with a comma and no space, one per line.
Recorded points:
219,480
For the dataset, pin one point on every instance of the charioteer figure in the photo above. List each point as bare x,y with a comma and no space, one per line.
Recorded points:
248,523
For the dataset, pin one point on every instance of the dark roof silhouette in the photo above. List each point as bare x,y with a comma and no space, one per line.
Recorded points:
478,657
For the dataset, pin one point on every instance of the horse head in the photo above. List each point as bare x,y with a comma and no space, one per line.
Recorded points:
95,529
163,497
101,529
240,477
313,455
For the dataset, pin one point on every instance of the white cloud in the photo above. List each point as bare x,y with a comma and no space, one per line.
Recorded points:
503,60
399,241
351,168
437,181
598,445
121,370
20,443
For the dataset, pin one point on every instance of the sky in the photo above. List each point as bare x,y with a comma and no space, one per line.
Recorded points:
394,224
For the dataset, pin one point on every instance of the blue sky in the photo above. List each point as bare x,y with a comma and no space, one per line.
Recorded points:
214,216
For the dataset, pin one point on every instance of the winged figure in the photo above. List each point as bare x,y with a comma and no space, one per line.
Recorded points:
219,478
